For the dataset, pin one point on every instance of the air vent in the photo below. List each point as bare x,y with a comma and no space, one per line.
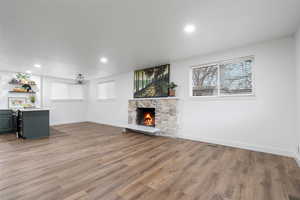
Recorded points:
213,145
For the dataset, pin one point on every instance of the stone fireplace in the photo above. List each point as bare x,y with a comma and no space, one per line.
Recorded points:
161,113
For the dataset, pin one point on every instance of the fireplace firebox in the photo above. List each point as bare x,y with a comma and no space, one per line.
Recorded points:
146,116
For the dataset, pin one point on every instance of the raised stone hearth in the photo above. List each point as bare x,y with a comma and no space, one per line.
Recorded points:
166,113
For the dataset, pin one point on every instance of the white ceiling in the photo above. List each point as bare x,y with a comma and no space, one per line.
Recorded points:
70,36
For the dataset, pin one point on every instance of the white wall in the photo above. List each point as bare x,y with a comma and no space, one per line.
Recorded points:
64,111
113,112
297,38
265,122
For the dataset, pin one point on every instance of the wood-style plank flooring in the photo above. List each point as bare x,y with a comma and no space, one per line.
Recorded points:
92,161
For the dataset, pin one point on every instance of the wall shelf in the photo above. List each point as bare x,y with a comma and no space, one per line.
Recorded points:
22,92
10,83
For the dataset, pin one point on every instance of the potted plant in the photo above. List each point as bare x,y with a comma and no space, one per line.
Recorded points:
23,78
32,99
172,87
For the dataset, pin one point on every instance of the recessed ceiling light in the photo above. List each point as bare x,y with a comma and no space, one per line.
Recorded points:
103,60
189,28
28,72
37,66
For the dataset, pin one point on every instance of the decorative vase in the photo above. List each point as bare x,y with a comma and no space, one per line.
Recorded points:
172,93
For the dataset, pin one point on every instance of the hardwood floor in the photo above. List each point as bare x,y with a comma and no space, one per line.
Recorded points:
92,161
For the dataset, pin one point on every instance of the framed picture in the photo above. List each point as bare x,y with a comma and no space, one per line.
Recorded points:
152,82
16,102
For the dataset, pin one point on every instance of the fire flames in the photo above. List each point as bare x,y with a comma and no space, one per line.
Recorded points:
148,119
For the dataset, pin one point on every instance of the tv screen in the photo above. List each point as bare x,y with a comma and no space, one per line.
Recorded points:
152,82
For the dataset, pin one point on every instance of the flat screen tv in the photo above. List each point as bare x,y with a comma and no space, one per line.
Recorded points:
152,82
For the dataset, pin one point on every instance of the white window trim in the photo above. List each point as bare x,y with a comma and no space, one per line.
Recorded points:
67,99
222,96
106,99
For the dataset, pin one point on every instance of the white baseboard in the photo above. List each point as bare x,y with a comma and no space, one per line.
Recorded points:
65,123
270,150
108,124
297,158
280,152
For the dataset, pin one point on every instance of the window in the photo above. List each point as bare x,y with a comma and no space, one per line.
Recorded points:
59,91
106,90
66,91
76,91
224,78
205,81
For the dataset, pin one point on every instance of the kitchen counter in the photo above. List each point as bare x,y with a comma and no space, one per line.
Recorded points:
31,123
33,109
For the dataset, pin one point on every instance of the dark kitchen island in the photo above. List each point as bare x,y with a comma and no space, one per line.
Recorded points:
33,123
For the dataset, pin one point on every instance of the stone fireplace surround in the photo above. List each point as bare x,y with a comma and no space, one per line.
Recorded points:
166,113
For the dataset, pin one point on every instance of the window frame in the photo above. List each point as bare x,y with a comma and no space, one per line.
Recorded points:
218,64
107,99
